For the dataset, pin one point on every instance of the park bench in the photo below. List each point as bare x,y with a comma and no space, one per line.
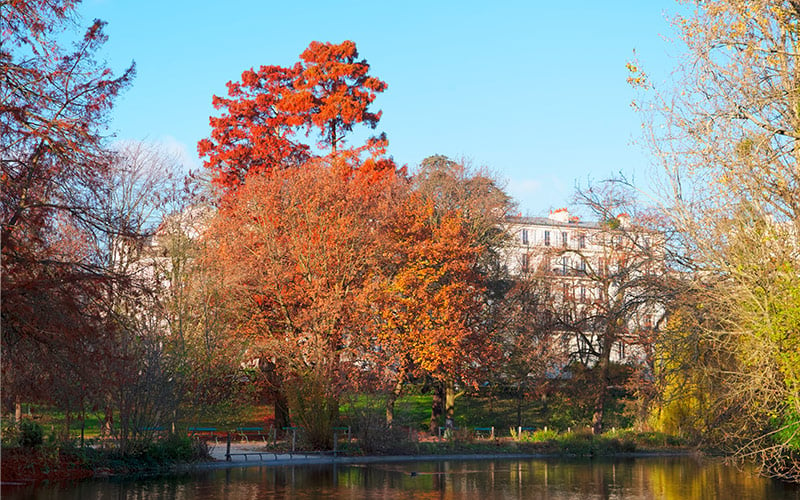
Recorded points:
484,432
206,432
155,430
342,431
247,432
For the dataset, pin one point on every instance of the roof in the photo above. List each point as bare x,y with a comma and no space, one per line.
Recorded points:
546,221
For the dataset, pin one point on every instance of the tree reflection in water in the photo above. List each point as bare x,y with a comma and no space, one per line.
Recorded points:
639,478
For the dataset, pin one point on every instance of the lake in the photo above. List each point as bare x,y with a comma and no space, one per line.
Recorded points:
554,479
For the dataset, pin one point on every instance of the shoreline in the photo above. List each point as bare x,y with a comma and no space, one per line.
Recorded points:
302,459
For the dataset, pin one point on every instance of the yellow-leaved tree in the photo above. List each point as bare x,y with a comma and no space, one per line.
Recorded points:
727,139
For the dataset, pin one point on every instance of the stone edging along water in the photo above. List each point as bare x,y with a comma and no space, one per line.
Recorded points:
310,459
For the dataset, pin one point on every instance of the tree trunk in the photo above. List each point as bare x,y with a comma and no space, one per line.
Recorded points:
108,422
450,404
276,392
398,388
67,424
436,407
603,367
281,404
17,411
333,409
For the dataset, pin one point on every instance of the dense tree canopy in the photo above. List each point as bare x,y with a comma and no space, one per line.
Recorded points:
329,90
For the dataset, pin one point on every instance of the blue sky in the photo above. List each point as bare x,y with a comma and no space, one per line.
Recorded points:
534,91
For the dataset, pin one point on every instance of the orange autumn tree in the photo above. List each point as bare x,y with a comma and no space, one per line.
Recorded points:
432,305
329,90
332,92
293,250
296,227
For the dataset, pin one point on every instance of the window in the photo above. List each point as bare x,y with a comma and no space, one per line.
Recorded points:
524,236
547,238
564,238
582,266
583,293
564,266
582,241
525,262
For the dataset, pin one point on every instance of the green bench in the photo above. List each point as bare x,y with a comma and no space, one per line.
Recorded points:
206,432
484,432
247,432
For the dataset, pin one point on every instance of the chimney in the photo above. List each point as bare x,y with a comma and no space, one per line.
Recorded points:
559,215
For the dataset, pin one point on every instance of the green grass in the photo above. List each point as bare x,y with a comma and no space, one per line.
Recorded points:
502,413
411,410
414,411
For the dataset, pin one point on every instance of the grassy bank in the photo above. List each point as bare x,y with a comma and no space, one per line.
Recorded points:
29,459
579,443
52,449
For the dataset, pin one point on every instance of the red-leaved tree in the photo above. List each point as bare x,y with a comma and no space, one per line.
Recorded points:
257,131
53,105
293,250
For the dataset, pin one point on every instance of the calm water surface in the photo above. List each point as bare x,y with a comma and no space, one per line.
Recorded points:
640,478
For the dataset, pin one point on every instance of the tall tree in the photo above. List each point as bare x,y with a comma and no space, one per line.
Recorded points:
329,90
431,304
53,105
619,295
141,384
294,250
457,215
332,92
728,143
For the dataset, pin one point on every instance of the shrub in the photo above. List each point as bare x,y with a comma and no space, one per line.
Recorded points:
178,448
31,434
10,433
538,436
369,427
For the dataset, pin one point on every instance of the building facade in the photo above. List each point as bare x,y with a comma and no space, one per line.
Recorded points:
601,279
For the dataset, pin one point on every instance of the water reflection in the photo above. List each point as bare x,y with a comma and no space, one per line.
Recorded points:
642,478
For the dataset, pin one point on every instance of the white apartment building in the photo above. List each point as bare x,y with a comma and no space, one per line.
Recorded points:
595,273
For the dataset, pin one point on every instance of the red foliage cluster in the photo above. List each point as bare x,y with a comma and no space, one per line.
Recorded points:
329,90
32,465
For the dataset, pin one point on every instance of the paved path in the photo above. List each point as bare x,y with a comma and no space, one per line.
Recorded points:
253,453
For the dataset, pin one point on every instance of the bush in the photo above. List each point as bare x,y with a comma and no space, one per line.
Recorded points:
368,422
10,433
539,436
31,434
177,448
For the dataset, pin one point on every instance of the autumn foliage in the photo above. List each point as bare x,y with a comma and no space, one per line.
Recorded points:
432,300
53,105
337,261
294,250
268,112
